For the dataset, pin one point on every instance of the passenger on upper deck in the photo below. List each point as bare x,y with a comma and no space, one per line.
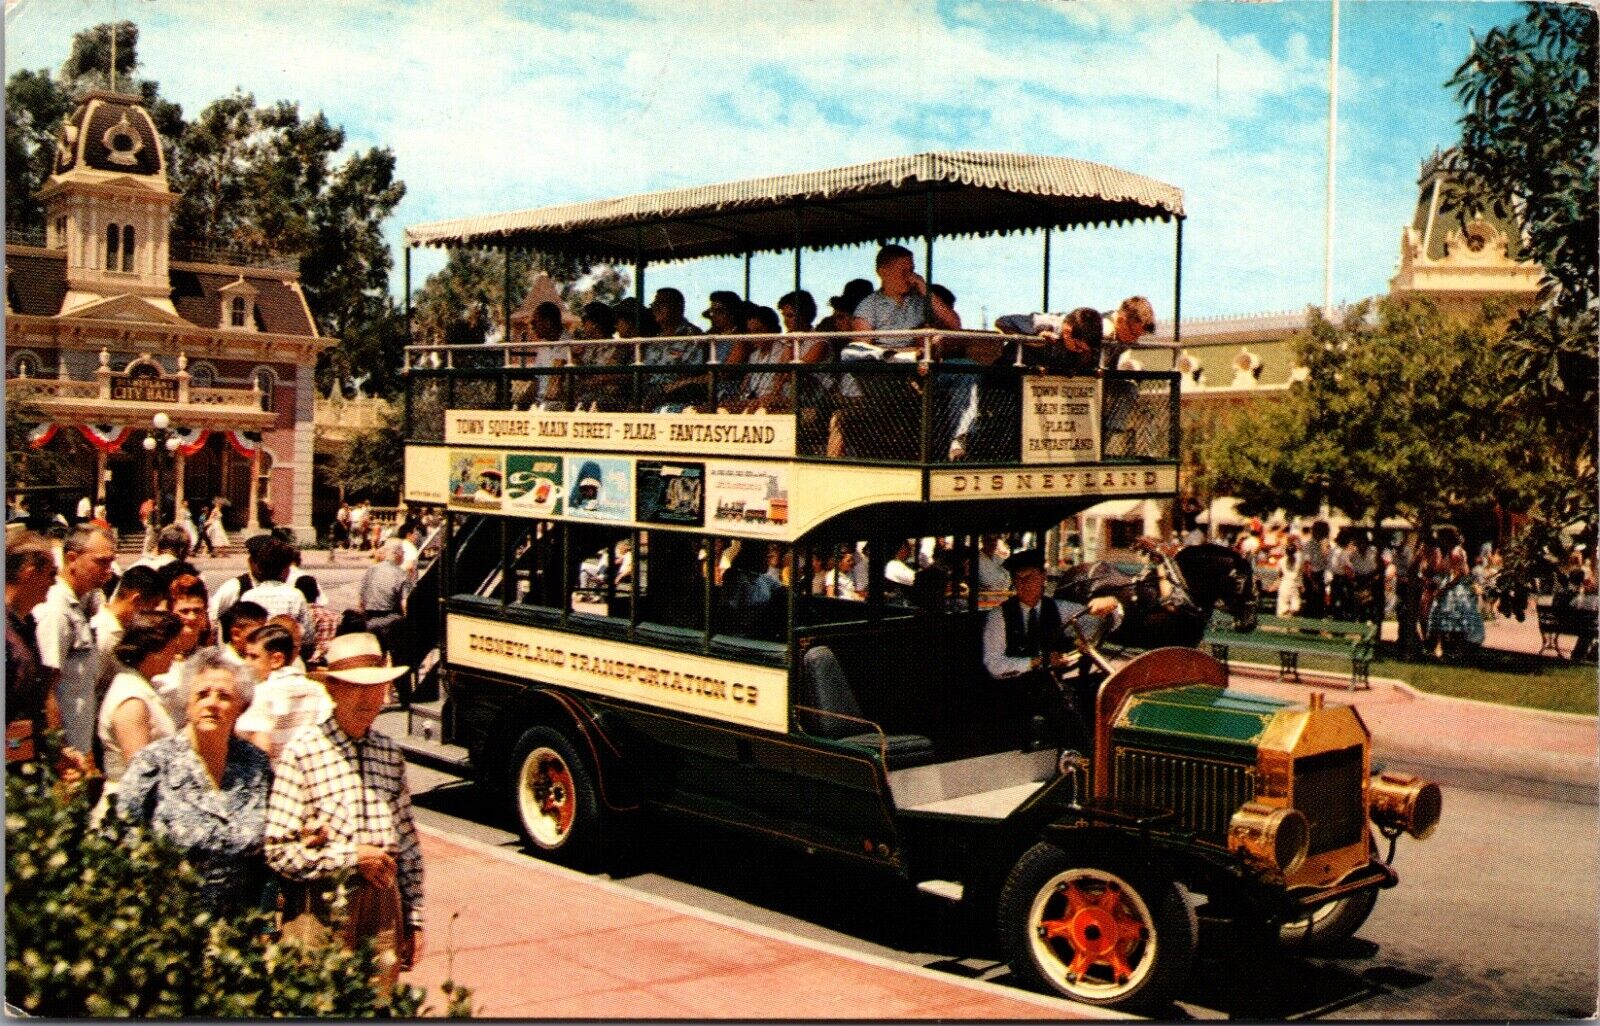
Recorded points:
673,345
1016,635
603,391
764,390
1133,320
901,301
633,320
1072,341
725,311
667,308
550,333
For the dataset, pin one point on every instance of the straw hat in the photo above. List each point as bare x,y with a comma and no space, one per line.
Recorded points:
357,659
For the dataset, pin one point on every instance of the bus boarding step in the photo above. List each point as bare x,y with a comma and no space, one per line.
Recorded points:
949,890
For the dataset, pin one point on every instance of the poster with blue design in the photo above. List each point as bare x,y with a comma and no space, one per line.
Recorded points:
599,488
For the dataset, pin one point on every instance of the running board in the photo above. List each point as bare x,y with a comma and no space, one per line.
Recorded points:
949,890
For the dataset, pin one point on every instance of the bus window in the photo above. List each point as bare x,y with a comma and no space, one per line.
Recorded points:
751,599
600,568
535,569
670,567
835,589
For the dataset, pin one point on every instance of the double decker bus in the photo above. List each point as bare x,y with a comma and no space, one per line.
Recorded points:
687,587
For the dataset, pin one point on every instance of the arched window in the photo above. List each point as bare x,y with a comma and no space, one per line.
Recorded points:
26,366
127,247
113,245
265,380
237,311
202,375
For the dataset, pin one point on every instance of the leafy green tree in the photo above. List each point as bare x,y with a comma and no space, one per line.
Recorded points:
250,177
1401,413
107,922
462,303
1528,147
373,460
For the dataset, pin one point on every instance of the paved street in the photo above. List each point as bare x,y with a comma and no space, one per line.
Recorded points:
1495,916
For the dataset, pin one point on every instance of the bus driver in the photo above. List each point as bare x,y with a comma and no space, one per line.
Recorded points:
1014,638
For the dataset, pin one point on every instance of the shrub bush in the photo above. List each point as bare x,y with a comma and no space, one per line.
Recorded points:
108,922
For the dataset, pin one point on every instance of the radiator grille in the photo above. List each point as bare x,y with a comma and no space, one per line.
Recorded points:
1327,789
1204,794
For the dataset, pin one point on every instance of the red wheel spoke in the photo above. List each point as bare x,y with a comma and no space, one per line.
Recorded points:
1057,928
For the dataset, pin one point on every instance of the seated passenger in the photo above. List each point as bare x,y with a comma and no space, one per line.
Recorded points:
798,310
550,333
1072,341
750,603
839,581
633,320
764,390
673,345
725,311
901,571
667,309
1016,639
602,391
902,301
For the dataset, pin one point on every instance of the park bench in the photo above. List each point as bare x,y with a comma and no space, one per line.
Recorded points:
1555,621
1292,637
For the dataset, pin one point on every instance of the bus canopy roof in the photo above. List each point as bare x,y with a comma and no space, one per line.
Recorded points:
956,193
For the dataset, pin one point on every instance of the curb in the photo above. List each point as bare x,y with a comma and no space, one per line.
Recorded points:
1056,1006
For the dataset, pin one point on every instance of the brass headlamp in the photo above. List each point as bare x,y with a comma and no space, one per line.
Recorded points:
1401,802
1268,836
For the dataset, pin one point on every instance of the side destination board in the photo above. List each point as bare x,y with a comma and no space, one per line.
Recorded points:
721,689
697,434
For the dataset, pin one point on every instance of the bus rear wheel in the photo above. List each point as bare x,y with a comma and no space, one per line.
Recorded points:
1095,934
554,798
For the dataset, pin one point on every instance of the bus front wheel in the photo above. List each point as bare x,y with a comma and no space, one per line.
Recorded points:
554,798
1093,933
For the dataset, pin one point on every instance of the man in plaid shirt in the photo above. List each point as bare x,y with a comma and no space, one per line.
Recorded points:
340,813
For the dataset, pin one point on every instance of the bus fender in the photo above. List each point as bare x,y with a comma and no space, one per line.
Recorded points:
541,706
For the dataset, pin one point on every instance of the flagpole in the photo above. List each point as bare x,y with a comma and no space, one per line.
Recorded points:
1333,146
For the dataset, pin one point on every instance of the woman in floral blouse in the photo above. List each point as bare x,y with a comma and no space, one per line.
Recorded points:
206,790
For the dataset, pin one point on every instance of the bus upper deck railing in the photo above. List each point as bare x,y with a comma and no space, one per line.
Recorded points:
931,403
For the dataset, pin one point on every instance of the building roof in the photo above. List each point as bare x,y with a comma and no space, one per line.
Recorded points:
111,133
960,193
37,283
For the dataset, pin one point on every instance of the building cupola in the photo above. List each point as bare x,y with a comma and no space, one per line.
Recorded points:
108,204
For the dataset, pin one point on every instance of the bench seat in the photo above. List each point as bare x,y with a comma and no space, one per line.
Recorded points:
1292,637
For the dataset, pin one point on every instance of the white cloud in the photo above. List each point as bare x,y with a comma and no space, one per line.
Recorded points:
493,106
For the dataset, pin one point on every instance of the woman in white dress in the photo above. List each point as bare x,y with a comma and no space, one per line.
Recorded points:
132,715
216,534
1289,567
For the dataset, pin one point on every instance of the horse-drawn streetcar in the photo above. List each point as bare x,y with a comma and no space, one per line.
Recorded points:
663,607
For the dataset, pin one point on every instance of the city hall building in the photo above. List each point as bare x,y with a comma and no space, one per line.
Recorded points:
111,329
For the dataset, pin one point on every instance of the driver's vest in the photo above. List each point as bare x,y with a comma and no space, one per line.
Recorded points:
1020,642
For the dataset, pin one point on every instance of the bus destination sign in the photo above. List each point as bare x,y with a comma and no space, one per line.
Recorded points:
720,434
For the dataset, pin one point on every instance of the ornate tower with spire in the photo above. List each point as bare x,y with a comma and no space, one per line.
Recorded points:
108,205
1460,257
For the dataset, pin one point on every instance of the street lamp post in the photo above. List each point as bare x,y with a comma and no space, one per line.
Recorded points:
161,443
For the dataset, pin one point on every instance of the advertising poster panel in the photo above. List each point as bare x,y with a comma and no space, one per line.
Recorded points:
599,488
534,485
749,498
671,493
476,480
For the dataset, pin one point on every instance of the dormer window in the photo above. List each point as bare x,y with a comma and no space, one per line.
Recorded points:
238,311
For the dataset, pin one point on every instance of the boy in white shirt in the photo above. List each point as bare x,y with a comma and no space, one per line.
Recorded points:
285,698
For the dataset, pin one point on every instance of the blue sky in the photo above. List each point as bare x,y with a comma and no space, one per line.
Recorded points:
494,106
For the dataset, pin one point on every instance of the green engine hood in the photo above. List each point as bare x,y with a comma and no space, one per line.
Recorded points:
1198,719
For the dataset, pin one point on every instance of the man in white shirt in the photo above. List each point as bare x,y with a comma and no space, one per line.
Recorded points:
141,590
1017,637
285,699
67,651
899,571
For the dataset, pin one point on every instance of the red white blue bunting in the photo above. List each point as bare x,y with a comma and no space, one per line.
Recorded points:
245,443
105,437
191,440
41,435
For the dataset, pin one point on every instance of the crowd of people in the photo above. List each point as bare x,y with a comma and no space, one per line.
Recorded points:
236,724
750,334
1439,596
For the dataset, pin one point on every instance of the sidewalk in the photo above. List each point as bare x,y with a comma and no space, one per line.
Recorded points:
536,941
